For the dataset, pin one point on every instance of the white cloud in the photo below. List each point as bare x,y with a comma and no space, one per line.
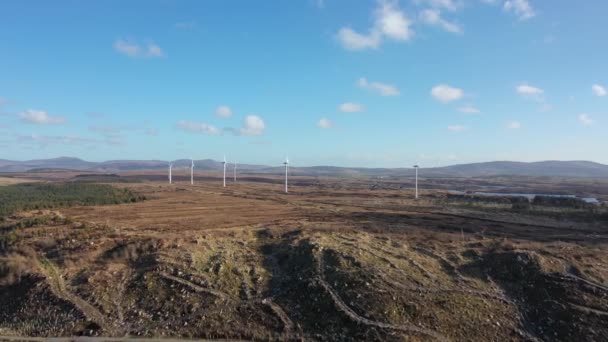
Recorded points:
134,50
457,128
469,109
350,107
108,130
352,40
525,89
536,94
521,8
127,48
530,92
118,134
154,50
253,125
325,123
380,88
392,22
40,117
585,120
119,140
433,17
451,5
198,127
514,125
389,22
446,93
43,141
599,90
223,111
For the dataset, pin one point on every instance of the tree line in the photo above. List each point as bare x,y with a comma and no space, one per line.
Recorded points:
32,196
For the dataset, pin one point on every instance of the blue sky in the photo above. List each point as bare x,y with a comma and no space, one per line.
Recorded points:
342,82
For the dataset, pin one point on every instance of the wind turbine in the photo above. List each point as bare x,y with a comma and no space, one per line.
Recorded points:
416,168
170,169
235,172
191,171
286,163
224,163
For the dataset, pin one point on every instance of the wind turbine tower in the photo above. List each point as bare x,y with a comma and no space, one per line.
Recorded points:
235,172
170,169
416,168
224,163
192,171
286,163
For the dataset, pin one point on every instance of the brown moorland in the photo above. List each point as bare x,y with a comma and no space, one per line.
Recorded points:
335,259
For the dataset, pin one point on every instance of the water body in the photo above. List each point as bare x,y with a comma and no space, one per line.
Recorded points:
528,196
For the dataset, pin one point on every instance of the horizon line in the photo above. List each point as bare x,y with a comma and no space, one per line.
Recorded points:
308,166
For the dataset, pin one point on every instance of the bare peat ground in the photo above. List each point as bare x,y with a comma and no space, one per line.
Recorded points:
333,260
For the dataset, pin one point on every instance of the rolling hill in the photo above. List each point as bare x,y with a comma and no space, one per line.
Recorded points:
585,169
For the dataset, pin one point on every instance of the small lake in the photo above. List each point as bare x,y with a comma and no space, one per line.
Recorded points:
528,196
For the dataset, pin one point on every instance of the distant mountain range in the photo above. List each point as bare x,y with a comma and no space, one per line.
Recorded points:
490,169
